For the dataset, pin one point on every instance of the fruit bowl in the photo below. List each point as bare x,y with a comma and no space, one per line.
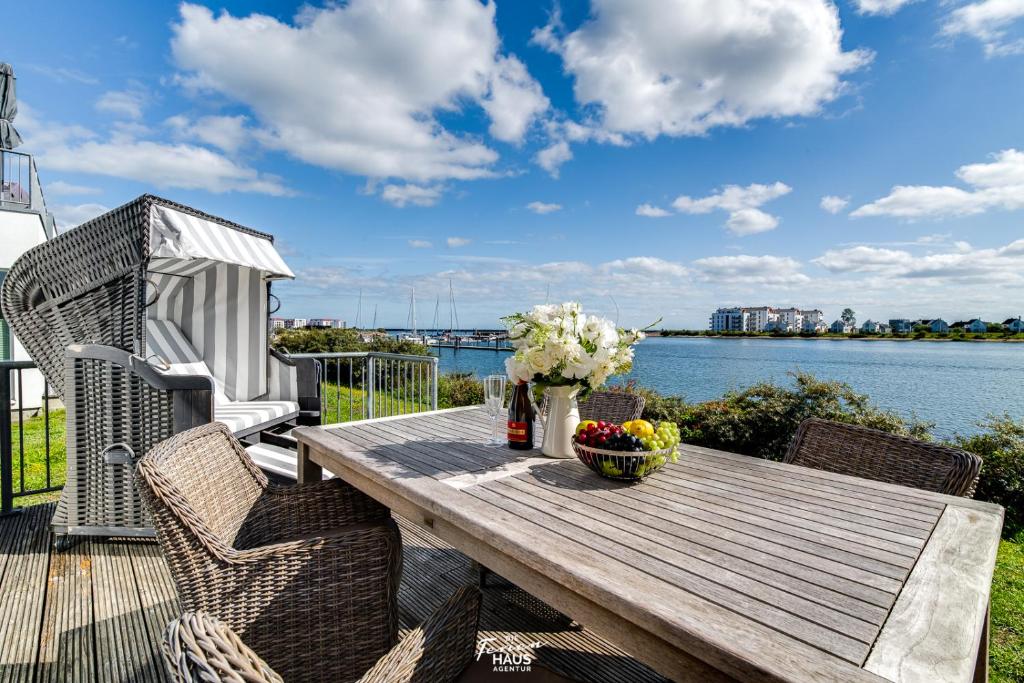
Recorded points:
623,465
628,452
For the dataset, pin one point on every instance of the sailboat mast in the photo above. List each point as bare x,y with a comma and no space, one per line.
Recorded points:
412,310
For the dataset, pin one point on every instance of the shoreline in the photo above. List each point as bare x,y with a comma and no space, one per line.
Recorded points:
836,338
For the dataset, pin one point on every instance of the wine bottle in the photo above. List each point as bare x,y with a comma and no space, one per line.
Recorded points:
521,414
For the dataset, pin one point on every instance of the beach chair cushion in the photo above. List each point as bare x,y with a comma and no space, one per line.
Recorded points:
165,340
243,417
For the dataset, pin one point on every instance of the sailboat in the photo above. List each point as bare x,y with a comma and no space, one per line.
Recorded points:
413,336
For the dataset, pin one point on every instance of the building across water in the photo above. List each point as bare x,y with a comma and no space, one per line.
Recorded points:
767,319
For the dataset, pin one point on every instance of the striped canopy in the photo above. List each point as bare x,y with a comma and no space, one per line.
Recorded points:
184,244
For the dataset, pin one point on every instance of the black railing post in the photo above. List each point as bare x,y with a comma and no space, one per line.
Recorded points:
6,445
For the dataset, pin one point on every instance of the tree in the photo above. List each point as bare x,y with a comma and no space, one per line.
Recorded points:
849,317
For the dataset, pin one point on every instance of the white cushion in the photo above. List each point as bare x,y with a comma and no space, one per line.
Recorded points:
165,340
243,415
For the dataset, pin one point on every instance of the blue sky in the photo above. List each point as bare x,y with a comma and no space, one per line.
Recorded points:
650,159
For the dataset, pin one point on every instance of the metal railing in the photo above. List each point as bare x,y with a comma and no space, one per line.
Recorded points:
354,386
13,403
360,385
15,178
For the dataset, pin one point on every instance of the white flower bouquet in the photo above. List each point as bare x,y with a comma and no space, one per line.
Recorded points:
559,345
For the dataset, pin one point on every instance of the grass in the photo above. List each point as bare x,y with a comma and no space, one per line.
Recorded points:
1006,654
1007,639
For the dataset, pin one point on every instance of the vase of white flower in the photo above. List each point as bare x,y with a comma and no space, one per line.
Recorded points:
568,353
560,422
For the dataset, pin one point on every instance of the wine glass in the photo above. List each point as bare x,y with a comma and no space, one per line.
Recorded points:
494,403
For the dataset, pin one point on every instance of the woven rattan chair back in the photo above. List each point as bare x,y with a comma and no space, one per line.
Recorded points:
207,473
612,406
872,454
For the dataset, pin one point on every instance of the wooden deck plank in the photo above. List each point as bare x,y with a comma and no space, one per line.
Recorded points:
124,651
158,599
23,592
66,650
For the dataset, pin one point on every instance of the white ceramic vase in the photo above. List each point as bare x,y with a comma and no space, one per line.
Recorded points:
563,416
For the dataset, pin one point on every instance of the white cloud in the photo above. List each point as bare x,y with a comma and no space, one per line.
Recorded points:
543,207
420,244
834,204
745,218
67,216
998,267
126,103
742,268
651,211
881,7
998,184
357,86
989,21
552,157
229,133
653,67
60,188
80,150
410,193
649,266
456,242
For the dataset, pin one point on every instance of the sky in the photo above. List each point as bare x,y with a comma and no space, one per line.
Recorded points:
653,159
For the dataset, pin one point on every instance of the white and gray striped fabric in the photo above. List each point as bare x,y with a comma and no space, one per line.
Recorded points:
283,381
243,415
165,340
177,235
222,310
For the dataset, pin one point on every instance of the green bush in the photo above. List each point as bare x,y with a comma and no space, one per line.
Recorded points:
455,390
1001,446
313,340
762,419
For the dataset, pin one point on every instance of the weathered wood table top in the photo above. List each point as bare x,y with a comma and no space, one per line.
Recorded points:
719,566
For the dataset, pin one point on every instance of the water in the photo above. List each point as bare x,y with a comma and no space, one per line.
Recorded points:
953,385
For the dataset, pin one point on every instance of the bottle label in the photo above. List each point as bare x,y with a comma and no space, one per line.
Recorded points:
517,431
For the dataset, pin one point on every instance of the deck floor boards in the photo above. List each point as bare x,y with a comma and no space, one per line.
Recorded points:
96,610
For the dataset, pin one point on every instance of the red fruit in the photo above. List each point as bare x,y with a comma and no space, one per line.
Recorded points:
602,440
591,427
601,424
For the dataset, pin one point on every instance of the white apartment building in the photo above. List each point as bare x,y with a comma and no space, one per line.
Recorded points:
294,323
758,319
789,319
814,321
321,322
727,320
277,323
767,319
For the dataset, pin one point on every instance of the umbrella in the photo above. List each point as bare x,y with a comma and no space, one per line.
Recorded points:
9,138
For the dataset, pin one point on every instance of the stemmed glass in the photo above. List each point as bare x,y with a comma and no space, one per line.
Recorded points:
494,403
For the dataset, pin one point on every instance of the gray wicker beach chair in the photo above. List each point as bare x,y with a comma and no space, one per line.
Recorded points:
146,321
198,648
307,575
871,454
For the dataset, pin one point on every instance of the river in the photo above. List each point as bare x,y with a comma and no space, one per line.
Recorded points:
953,385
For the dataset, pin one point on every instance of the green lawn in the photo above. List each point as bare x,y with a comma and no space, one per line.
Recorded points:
1007,646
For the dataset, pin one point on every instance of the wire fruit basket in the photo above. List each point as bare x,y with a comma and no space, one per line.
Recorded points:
623,465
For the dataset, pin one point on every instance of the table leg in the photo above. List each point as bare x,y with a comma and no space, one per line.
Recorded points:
308,472
981,665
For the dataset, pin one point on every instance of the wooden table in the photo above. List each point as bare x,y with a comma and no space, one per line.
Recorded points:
719,566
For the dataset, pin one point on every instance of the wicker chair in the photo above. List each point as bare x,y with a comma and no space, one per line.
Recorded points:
871,454
307,575
614,406
198,648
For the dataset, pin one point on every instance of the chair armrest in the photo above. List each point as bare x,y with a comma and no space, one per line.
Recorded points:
305,389
199,648
439,650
